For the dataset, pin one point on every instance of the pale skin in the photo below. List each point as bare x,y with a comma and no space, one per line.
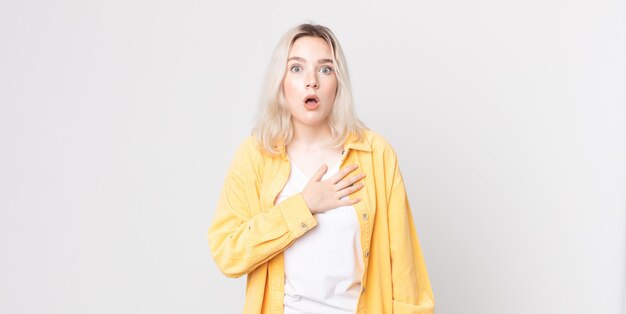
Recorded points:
310,72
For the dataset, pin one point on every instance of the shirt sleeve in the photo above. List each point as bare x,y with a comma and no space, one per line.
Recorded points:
241,237
411,289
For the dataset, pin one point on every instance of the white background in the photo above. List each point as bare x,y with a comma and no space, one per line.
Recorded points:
119,119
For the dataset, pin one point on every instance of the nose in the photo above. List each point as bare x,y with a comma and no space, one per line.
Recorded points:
311,82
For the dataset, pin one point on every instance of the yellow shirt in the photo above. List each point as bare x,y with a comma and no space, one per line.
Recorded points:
249,233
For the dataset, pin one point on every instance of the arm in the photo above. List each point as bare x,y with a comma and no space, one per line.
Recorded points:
241,240
411,289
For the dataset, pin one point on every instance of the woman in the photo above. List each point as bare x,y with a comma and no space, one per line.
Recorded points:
314,209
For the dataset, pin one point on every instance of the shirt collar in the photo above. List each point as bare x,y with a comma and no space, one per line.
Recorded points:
351,142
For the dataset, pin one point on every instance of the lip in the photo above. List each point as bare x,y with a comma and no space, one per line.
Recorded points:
311,96
311,106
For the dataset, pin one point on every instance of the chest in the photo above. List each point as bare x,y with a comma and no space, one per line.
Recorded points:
334,240
310,161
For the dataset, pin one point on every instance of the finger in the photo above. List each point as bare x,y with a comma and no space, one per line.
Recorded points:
351,189
320,173
344,172
349,201
349,181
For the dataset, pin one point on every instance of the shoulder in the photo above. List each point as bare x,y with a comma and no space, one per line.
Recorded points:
249,144
384,159
378,143
248,152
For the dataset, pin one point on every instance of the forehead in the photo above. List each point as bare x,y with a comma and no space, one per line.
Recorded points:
311,47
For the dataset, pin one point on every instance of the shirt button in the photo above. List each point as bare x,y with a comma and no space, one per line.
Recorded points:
367,253
365,216
303,225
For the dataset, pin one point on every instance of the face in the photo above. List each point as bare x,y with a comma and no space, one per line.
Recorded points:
310,83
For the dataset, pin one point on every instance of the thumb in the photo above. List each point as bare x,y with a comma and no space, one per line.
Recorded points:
320,173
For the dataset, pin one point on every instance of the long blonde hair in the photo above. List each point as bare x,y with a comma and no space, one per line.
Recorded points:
273,125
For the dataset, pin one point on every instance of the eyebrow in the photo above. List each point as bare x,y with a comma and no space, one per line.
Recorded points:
303,60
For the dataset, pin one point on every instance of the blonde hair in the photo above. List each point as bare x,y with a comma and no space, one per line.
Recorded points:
273,125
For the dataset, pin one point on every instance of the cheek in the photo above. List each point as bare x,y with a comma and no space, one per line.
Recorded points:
331,87
289,86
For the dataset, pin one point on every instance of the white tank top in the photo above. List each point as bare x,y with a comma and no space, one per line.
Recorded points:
323,268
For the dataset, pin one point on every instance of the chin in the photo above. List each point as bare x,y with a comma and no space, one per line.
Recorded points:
312,122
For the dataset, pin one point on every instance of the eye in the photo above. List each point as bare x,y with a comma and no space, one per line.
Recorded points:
326,69
295,69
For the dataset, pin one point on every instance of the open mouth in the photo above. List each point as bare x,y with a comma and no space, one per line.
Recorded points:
311,102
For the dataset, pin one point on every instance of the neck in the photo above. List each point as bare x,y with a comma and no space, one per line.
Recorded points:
311,136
